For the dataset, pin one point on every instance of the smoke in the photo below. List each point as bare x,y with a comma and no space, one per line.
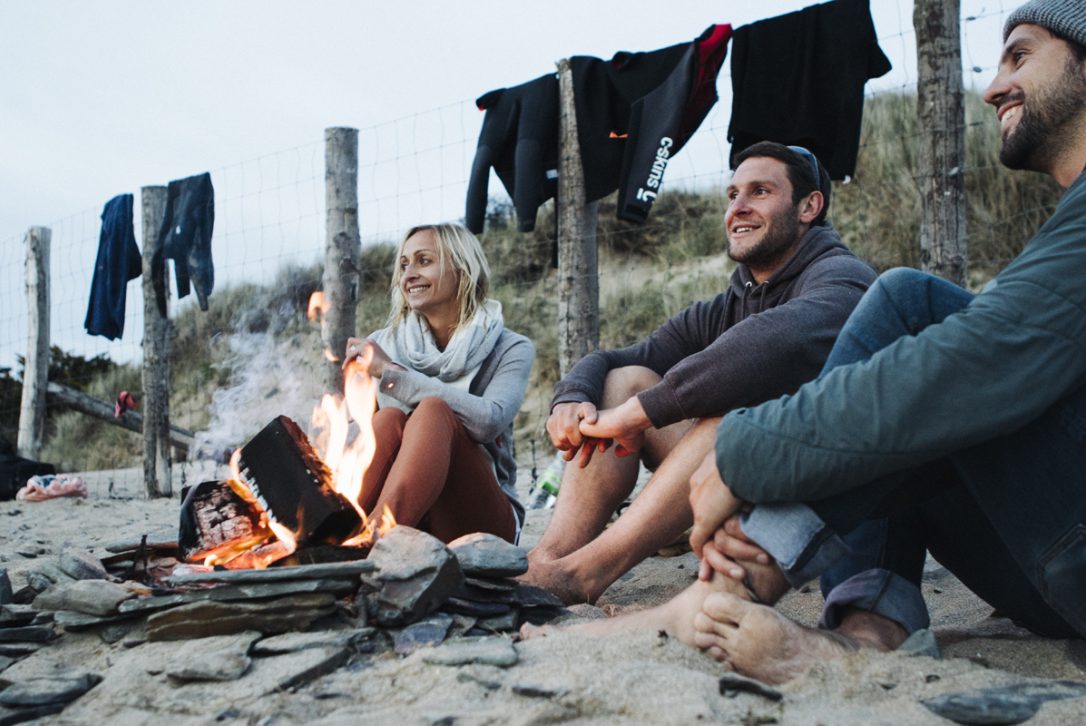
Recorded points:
275,369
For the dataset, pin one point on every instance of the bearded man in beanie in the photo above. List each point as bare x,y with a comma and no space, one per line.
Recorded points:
943,422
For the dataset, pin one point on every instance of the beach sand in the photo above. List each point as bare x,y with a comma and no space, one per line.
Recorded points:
629,678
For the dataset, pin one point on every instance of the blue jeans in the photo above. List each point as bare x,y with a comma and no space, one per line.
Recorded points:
1007,517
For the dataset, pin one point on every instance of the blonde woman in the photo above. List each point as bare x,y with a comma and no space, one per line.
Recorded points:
451,377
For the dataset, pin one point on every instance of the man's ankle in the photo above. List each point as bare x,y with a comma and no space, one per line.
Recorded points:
870,630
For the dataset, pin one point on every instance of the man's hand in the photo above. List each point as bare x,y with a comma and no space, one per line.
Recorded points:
625,425
564,425
711,501
727,547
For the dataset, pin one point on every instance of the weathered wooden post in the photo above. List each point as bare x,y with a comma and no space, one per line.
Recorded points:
36,368
343,249
578,263
941,118
157,458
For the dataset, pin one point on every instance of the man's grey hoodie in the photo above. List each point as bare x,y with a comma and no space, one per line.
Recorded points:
749,344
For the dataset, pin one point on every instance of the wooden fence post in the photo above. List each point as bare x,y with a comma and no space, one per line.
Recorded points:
941,121
36,368
578,263
157,458
343,249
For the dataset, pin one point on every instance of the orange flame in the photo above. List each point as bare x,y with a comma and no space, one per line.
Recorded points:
348,463
331,424
317,306
374,530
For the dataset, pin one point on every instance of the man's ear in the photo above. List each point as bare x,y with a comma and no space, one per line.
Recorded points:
811,206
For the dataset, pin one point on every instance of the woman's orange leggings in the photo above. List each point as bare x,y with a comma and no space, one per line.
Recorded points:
433,476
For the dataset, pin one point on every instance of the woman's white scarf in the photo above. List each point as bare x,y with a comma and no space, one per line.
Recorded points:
412,345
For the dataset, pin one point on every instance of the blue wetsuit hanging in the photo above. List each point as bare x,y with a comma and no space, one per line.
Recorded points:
118,262
185,238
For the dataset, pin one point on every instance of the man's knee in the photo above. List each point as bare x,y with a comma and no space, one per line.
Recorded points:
899,279
622,383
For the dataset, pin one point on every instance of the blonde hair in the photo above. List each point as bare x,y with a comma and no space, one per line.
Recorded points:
456,245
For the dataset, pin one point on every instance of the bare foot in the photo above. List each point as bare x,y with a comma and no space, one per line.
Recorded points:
555,576
675,617
765,584
759,642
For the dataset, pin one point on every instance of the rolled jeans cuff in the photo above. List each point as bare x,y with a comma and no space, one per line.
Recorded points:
880,592
793,535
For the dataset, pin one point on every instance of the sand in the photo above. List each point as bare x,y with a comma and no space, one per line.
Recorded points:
629,678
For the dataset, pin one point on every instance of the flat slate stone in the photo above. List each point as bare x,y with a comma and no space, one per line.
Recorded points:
530,596
203,619
48,690
115,632
406,552
922,642
18,650
38,582
27,634
534,690
332,570
500,623
484,651
5,661
233,592
474,608
21,715
295,669
50,570
501,584
732,684
293,642
431,631
76,622
93,597
6,593
81,565
12,615
221,658
416,574
1002,705
479,594
486,554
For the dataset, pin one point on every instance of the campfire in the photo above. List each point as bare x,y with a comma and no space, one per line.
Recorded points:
287,491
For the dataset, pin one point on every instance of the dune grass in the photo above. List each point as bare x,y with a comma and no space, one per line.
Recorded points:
647,273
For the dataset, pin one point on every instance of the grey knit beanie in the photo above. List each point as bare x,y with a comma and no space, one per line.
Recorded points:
1066,18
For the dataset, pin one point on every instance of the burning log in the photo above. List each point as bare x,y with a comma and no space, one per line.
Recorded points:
294,486
216,519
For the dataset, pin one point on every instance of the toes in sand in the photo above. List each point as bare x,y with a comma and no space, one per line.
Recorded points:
759,642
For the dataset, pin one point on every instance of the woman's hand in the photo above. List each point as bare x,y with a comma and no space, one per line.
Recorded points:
366,355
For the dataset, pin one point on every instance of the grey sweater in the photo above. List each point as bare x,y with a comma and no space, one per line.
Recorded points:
749,344
487,408
1019,347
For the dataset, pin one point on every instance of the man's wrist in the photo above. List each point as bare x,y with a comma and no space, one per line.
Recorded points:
634,416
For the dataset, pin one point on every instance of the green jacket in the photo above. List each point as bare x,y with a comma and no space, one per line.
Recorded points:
1018,347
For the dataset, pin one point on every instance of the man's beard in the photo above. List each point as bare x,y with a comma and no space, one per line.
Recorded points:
783,233
1042,131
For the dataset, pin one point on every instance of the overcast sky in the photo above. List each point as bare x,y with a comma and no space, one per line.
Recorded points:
103,97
